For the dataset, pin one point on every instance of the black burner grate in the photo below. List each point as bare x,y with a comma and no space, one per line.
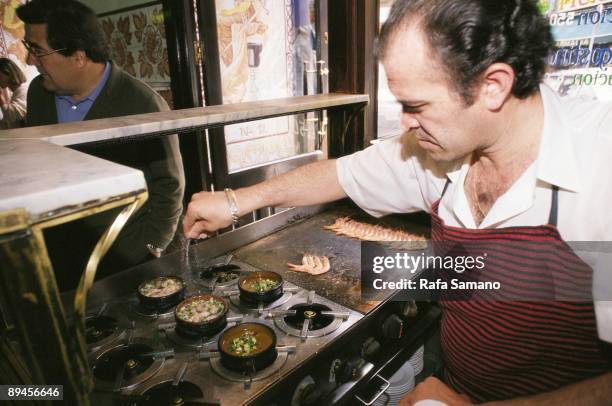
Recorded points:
311,311
99,327
222,273
127,360
167,394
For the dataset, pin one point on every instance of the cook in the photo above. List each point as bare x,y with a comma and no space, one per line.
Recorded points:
490,153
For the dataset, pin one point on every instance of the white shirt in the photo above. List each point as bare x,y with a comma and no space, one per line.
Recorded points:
396,176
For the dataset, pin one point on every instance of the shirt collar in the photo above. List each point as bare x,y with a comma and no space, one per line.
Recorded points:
94,93
556,160
556,163
456,173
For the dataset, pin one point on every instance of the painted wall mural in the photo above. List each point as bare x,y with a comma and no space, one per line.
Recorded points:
138,44
256,48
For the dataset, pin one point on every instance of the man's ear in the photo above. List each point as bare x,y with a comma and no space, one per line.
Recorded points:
496,86
80,58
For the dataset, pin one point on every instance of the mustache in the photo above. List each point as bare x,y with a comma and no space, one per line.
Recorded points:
409,144
419,135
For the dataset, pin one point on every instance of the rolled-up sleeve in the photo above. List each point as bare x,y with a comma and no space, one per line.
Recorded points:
381,180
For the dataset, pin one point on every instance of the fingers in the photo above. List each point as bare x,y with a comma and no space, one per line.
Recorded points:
197,230
206,213
194,223
196,196
188,220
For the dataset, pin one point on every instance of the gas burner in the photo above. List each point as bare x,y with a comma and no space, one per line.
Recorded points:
151,313
247,306
245,377
220,275
125,366
319,323
165,393
101,330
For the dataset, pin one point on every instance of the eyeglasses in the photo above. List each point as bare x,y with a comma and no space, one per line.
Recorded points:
34,52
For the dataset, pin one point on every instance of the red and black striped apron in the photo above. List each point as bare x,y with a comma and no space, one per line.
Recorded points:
504,349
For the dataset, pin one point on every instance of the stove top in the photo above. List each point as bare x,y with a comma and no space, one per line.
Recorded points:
124,365
137,355
170,394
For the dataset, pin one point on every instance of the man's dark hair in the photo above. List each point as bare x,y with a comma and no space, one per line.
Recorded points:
70,25
468,36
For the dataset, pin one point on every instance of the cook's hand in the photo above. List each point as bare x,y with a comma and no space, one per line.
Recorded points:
206,213
434,389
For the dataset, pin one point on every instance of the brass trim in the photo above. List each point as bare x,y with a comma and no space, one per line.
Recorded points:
13,220
87,209
40,288
98,253
30,290
49,291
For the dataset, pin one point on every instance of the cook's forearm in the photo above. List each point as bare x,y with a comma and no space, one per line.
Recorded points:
311,184
592,392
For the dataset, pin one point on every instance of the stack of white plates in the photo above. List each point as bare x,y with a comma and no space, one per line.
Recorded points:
417,360
401,383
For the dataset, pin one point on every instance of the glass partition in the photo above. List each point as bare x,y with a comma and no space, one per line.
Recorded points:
268,49
389,109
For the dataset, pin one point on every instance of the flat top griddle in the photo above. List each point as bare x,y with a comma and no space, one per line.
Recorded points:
342,283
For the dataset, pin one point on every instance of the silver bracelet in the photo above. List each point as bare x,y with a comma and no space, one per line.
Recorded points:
233,206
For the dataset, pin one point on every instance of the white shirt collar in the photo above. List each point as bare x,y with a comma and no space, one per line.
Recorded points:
555,165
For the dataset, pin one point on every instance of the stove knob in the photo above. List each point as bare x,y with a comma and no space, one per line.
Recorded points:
311,395
393,327
370,348
308,392
344,373
410,309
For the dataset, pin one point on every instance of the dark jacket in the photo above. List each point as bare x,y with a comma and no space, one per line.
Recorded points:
158,158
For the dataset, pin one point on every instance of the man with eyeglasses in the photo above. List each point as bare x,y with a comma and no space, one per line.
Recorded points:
78,81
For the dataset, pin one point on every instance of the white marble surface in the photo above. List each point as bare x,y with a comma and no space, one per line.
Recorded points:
139,124
42,177
39,174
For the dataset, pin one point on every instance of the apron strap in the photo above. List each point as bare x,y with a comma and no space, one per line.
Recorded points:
448,182
554,205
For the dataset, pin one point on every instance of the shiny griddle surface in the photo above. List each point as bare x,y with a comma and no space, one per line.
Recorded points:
342,283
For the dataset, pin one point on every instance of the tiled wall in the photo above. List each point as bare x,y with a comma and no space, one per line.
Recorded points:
135,32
